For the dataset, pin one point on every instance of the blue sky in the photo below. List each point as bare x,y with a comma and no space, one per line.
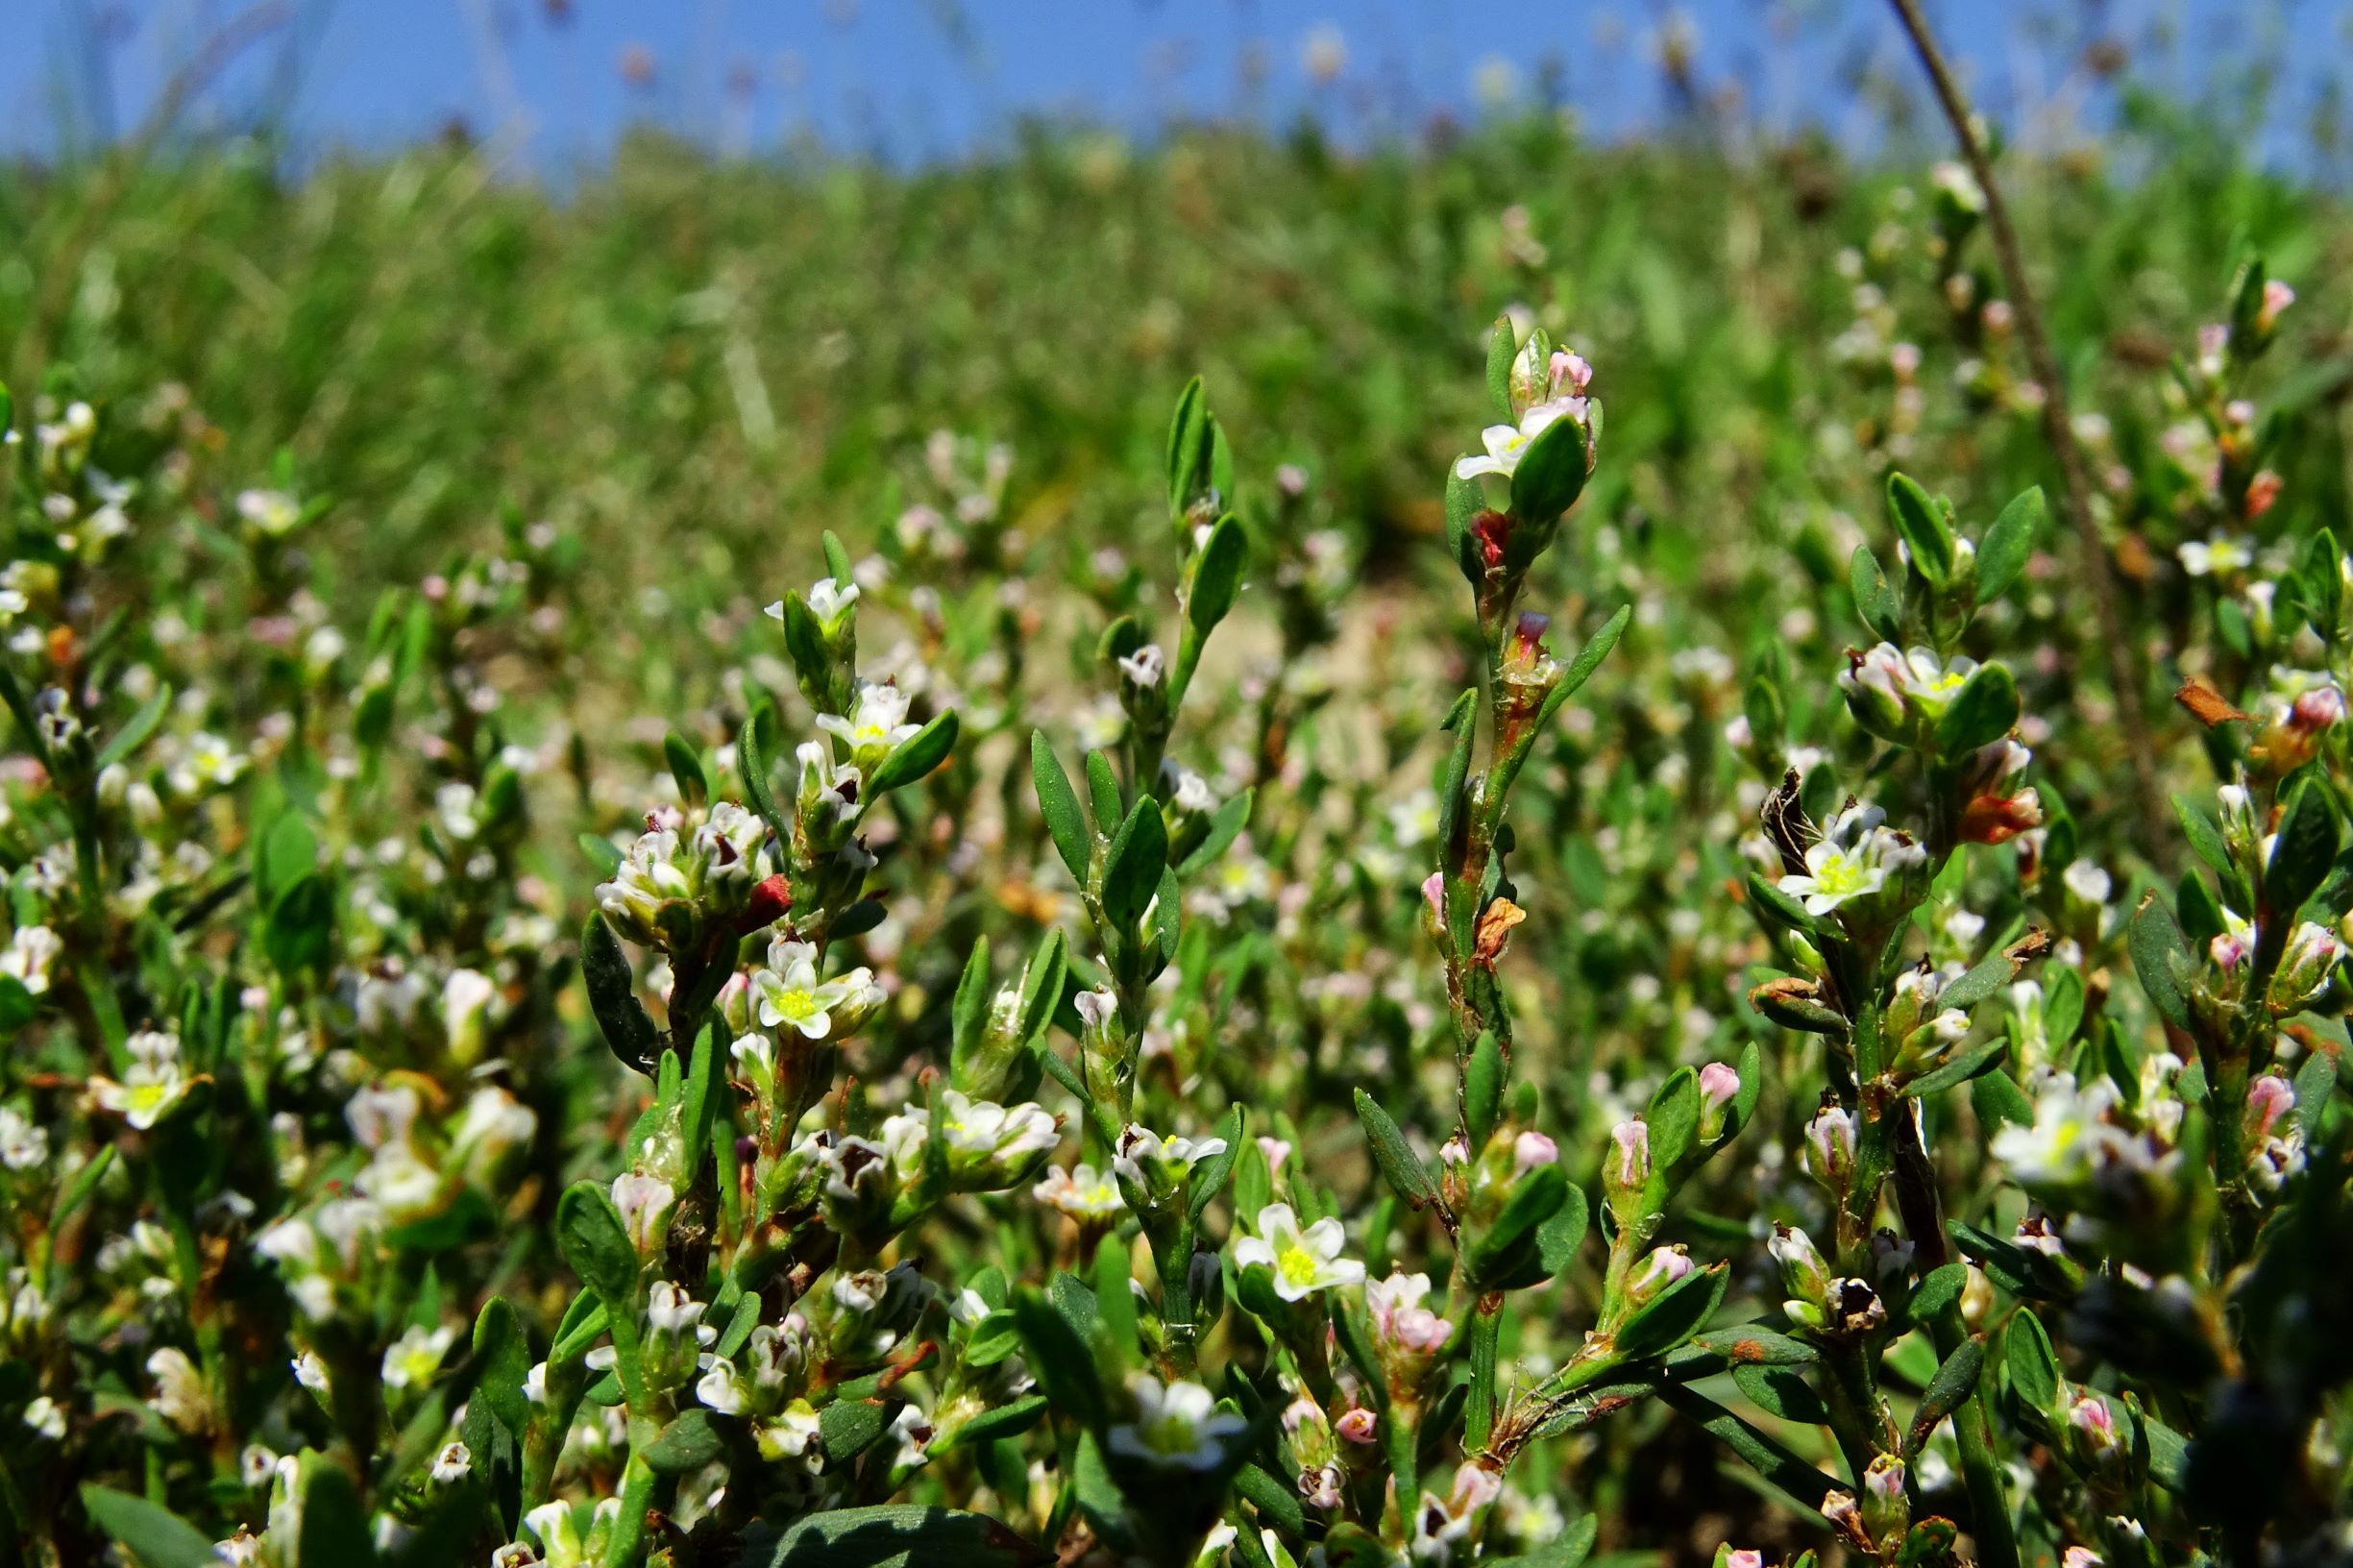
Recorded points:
917,79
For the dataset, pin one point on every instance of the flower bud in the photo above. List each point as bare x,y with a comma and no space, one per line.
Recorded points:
2305,968
1664,1268
1625,1166
1719,1086
1886,1511
1828,1155
1804,1274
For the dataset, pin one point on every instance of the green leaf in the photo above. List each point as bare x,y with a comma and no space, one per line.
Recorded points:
1673,1119
1058,802
1981,713
1939,1289
1874,601
612,995
1103,793
1277,1501
897,1535
2034,1369
154,1535
18,1005
1187,435
1675,1314
588,1230
1997,1099
141,725
1535,1198
1781,1391
2153,938
687,1444
335,1527
503,1359
998,1421
1955,1382
2300,853
1502,347
1407,1176
1957,1070
1920,526
1132,867
1782,910
299,935
849,1427
1482,1087
751,761
914,757
1226,825
1463,504
1588,659
1217,576
2009,543
686,768
601,852
1057,1357
1210,1177
1552,472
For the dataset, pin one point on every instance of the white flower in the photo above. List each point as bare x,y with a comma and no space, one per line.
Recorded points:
416,1355
2217,557
670,1310
789,992
310,1371
645,1203
1079,1192
46,1417
719,1388
1146,667
1395,1304
1508,444
465,1008
151,1086
791,1434
452,1463
1303,1260
30,952
180,1395
23,1145
1177,1426
1851,859
2088,881
256,1464
877,721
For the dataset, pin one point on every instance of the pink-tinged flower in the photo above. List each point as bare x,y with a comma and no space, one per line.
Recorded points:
2268,1099
1718,1083
1629,1161
1532,1149
2091,1417
1395,1306
1358,1425
2276,297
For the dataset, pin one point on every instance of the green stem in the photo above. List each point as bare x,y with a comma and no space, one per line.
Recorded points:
1980,1470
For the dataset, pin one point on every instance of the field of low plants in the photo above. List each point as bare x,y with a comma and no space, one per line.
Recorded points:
1061,861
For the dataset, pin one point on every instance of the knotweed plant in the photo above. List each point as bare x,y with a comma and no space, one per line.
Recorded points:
896,1105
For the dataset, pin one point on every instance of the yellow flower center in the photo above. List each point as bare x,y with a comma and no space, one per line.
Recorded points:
1296,1265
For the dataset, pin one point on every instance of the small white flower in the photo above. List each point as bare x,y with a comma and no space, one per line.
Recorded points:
417,1355
46,1417
877,721
1303,1261
1177,1426
2220,556
1080,1194
789,993
645,1203
1508,444
452,1463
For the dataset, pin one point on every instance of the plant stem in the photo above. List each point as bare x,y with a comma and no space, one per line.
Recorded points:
2059,430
